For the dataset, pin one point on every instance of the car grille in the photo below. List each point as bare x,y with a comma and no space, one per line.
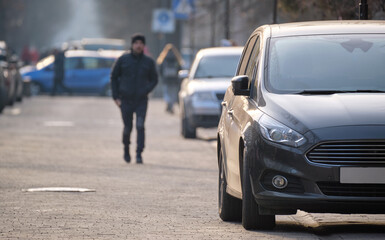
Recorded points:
349,153
220,96
352,190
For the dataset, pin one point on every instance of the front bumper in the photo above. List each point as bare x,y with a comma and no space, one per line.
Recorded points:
205,121
203,114
313,187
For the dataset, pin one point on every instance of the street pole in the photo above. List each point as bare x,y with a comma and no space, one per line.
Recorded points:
363,10
192,36
227,19
213,21
275,11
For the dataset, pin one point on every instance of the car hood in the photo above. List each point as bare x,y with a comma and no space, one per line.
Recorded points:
308,112
209,84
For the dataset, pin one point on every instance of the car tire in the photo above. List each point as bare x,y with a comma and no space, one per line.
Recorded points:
19,99
229,207
107,91
187,130
3,99
12,99
251,219
35,89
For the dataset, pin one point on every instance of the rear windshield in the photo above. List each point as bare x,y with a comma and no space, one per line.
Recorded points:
326,62
217,66
95,47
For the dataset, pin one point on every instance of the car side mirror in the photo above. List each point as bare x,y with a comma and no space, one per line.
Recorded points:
240,85
182,74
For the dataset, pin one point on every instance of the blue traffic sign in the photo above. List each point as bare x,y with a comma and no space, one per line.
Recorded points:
163,21
183,8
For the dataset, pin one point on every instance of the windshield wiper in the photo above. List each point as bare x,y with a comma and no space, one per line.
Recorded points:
318,92
207,76
366,91
326,92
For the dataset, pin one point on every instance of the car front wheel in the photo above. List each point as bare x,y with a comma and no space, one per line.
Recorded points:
107,91
251,219
35,89
187,130
229,207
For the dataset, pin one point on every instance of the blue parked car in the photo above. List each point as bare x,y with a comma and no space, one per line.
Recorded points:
85,72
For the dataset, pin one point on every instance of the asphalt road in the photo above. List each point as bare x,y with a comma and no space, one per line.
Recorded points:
74,142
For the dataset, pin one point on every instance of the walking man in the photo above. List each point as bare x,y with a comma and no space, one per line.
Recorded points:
133,77
59,72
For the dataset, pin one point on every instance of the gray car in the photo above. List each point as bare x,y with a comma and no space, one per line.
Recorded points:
203,90
303,124
3,90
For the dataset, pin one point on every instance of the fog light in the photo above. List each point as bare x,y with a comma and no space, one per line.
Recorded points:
279,181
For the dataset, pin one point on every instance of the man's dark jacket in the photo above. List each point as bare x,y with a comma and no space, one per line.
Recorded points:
133,77
59,66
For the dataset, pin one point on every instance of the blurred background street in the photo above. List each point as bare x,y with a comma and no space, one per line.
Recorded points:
73,139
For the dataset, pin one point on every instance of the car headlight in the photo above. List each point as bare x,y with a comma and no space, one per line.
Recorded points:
203,96
277,132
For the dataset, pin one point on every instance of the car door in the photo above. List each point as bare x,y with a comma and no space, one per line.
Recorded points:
235,113
85,77
72,66
44,77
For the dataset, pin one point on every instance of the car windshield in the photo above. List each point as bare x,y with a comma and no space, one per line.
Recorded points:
95,47
327,64
217,66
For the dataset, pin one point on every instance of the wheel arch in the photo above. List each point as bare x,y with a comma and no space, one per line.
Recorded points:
219,147
246,146
40,85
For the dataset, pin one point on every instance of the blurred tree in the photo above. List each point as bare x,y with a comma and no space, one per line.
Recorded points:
298,10
34,22
339,9
11,16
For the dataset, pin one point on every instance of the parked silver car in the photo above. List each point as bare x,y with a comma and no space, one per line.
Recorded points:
3,90
13,81
203,90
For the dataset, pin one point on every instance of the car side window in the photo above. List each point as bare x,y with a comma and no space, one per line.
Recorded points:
253,59
253,70
90,63
254,81
246,55
73,63
105,62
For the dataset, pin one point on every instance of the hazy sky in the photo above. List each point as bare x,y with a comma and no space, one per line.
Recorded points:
82,23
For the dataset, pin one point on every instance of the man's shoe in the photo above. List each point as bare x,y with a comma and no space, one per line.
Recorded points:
139,159
127,157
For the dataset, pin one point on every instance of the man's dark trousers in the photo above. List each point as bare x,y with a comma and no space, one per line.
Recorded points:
128,108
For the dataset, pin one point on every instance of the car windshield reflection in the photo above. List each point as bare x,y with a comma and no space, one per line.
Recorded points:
217,66
327,63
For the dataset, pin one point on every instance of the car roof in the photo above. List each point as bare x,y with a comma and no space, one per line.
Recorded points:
220,51
111,41
88,53
325,27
